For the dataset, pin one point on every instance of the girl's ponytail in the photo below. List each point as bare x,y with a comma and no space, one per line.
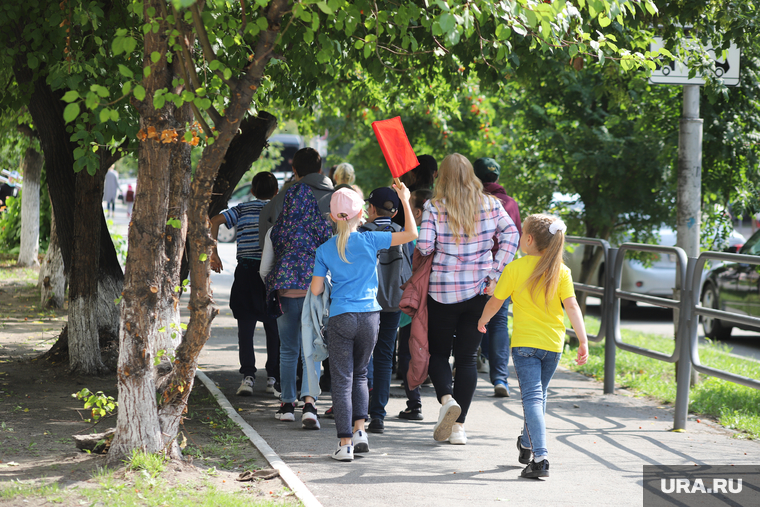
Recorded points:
344,230
549,236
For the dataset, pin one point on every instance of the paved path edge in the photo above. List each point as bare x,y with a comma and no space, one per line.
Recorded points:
290,478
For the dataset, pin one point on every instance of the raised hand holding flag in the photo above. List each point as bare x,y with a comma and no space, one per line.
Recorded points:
395,145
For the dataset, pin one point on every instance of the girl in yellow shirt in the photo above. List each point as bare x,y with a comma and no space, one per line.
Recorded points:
539,285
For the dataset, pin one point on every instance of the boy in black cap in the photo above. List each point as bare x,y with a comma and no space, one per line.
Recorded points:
394,267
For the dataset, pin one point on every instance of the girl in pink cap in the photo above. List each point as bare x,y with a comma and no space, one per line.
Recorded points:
350,257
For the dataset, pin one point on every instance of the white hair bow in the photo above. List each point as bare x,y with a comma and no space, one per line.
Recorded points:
557,225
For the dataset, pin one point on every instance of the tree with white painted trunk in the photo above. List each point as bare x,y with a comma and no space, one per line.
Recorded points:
52,277
31,169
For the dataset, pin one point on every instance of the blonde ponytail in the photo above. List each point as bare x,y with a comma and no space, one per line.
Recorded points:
344,229
545,276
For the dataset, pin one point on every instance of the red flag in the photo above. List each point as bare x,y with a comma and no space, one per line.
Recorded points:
395,145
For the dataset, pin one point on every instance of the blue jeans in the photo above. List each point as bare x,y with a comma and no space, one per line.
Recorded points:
495,344
289,325
535,369
382,359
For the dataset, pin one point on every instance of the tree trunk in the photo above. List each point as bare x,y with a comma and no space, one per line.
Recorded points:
52,279
174,244
138,425
84,342
46,109
30,209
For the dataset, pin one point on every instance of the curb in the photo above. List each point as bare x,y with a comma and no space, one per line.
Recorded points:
290,478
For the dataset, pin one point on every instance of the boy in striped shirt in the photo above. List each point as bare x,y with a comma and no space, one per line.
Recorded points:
248,293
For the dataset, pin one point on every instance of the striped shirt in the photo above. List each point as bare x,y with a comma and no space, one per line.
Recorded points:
246,217
460,272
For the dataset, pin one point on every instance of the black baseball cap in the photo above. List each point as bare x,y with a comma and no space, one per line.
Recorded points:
380,197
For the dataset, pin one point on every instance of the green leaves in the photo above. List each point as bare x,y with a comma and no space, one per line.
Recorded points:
71,112
71,96
139,92
123,43
325,8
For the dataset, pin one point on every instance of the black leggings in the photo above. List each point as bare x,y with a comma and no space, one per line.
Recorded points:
455,326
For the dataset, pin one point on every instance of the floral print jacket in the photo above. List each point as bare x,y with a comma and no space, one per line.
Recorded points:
299,230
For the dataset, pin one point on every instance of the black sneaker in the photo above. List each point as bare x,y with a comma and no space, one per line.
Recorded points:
411,414
376,426
535,470
524,456
309,417
286,412
329,413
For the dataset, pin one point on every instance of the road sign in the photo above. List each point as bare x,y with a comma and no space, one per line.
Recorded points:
675,72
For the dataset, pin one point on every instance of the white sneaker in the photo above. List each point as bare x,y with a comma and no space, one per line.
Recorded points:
458,437
270,384
447,416
344,453
246,387
361,442
309,417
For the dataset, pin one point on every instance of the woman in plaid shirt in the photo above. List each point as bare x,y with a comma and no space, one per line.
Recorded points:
459,225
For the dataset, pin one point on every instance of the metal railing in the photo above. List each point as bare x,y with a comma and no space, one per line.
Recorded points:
688,284
595,290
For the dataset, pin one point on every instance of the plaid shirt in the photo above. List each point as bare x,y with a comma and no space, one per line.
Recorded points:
460,272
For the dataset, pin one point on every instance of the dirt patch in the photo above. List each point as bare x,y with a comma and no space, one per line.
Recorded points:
39,416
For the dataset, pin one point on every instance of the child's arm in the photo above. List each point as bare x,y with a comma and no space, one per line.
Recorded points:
410,226
317,285
216,262
492,306
576,319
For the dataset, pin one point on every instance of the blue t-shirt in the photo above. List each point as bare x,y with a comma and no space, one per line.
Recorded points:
246,217
354,285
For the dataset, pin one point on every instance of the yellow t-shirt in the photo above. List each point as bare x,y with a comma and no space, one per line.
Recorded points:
533,326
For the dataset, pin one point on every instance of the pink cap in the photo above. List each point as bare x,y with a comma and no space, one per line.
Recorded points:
345,204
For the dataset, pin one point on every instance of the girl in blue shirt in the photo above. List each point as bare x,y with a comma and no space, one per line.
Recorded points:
350,257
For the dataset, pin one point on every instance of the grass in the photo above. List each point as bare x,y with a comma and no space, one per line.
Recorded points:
227,450
142,491
734,406
153,464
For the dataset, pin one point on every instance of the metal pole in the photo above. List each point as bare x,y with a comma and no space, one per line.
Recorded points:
683,371
611,308
689,196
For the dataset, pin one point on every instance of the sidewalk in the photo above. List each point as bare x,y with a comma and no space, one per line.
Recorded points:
597,443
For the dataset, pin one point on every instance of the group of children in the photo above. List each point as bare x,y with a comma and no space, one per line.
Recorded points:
472,240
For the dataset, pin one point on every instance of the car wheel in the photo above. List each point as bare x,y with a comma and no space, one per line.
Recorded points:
714,328
226,235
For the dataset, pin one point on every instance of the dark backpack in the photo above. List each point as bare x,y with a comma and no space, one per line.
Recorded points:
394,267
